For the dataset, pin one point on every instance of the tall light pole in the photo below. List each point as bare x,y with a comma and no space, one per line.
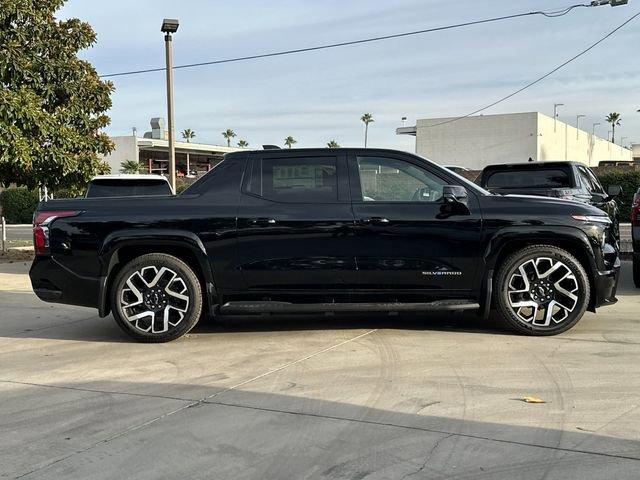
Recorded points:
578,117
622,139
593,129
555,114
169,26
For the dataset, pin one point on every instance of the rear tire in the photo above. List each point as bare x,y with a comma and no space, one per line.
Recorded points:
636,269
541,290
156,298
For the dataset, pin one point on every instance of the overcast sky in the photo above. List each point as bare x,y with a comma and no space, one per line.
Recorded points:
320,96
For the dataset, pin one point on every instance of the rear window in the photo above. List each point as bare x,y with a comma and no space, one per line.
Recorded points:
530,178
127,188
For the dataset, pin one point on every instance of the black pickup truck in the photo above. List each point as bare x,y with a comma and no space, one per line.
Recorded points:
316,230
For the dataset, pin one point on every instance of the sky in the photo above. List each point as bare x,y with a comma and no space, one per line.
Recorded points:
320,96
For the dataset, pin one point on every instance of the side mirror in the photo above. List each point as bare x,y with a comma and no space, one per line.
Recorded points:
614,190
455,194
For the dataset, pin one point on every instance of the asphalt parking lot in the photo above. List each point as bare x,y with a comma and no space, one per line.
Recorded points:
339,397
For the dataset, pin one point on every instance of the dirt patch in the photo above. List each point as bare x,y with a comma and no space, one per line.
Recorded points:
16,256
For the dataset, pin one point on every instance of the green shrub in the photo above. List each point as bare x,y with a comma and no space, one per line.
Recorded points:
629,181
18,204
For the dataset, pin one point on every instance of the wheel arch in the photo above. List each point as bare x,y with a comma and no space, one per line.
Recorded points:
572,240
123,246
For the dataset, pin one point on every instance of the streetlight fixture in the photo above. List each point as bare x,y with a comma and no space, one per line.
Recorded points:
578,117
169,26
555,114
593,130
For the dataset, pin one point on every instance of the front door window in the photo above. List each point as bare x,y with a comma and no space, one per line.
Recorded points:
390,180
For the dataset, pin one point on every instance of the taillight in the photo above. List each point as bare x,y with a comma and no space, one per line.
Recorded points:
635,210
41,223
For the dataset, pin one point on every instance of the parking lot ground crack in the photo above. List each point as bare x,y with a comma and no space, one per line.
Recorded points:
446,434
97,390
194,403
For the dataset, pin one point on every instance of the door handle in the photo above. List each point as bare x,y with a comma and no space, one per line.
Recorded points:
375,221
262,221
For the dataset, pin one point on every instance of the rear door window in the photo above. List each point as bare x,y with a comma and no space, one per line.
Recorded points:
530,178
294,180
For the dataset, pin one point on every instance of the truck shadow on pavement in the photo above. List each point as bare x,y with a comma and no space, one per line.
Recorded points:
153,430
28,317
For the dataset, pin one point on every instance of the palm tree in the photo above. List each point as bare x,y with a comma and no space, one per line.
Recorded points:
614,119
228,134
188,134
129,166
289,141
332,144
367,118
243,143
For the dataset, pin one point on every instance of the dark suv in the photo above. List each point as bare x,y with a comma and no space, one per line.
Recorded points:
566,180
316,230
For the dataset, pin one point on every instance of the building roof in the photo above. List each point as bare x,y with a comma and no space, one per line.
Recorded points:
184,147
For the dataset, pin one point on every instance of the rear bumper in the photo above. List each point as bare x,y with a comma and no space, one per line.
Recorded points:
52,282
605,286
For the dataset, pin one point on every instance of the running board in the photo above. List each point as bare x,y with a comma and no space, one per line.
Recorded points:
286,307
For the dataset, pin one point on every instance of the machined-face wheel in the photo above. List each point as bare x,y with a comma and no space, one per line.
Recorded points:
543,290
154,299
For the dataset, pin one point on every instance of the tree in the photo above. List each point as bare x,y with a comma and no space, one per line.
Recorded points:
367,118
614,119
130,166
228,134
243,143
332,144
188,134
52,104
289,141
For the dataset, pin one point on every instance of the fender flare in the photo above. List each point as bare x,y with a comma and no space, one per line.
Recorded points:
108,253
533,234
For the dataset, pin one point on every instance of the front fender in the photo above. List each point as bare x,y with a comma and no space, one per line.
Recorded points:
108,254
513,237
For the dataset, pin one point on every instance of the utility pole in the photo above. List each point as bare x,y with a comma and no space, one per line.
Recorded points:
578,117
593,129
169,26
555,114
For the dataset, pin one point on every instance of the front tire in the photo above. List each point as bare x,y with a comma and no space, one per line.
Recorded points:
156,298
541,290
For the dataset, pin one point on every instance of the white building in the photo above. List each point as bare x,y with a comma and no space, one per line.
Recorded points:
475,142
152,152
635,151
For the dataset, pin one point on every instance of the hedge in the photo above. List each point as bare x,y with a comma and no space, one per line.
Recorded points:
18,204
629,181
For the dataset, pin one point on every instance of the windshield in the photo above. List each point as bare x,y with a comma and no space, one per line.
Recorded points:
127,188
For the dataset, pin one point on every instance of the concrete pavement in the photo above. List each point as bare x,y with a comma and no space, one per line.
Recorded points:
357,397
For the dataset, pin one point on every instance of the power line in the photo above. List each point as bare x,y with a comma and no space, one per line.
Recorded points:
549,14
539,79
